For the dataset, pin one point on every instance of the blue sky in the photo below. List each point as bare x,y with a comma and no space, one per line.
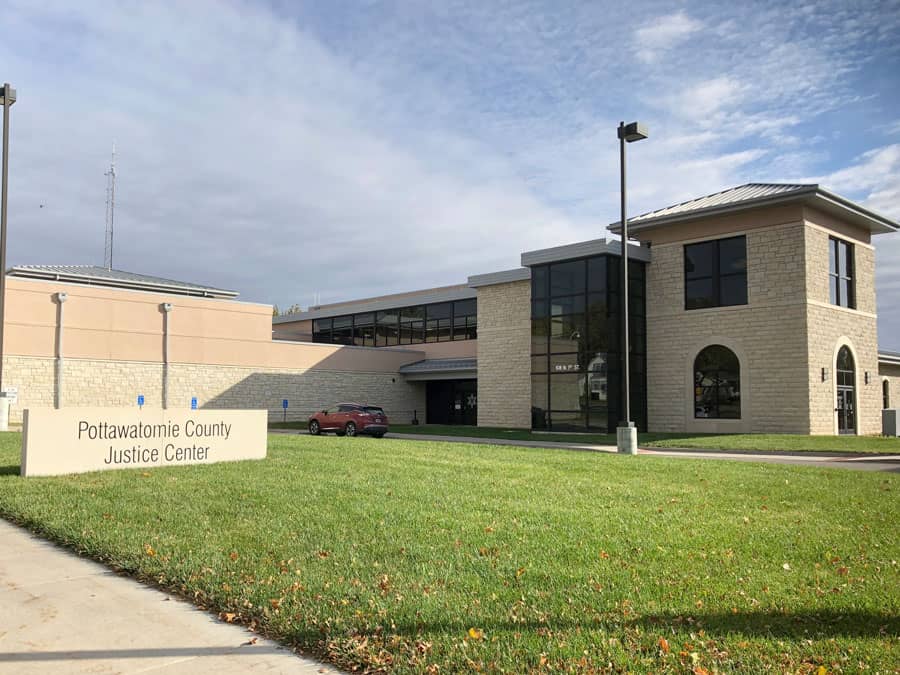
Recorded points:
348,149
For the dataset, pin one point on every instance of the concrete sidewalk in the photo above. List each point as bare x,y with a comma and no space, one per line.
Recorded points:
63,614
836,460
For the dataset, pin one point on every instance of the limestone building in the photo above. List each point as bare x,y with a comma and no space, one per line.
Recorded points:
752,310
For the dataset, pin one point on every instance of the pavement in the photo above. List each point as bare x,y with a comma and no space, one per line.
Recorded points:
831,460
60,613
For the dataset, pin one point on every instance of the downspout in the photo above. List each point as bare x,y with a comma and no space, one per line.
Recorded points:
166,309
61,297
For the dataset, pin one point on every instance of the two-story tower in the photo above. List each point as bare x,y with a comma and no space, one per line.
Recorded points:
761,313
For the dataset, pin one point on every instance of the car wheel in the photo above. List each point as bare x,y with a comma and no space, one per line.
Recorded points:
350,429
314,429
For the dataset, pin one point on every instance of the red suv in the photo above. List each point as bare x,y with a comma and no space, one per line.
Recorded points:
350,419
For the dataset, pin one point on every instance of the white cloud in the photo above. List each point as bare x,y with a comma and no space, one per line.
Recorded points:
663,34
874,180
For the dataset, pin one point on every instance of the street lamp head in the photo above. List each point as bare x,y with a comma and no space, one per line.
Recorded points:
7,92
632,132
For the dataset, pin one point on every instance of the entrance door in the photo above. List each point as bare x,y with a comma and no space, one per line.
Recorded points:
846,392
452,402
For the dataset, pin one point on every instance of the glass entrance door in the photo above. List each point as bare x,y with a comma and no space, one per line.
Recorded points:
846,412
846,392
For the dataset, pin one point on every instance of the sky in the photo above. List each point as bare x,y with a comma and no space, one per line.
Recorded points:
296,151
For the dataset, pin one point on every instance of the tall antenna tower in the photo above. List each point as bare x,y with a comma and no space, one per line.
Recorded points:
110,210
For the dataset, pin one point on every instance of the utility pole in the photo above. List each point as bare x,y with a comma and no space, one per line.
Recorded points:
110,210
8,96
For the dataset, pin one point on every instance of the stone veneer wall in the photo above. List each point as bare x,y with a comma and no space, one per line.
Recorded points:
830,327
891,373
117,384
504,355
768,335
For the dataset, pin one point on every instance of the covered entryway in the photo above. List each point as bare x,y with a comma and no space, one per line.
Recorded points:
845,368
452,402
451,389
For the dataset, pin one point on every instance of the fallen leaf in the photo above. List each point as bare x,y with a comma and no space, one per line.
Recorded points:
228,616
476,633
233,555
604,554
843,570
275,602
664,645
786,567
148,549
520,572
251,641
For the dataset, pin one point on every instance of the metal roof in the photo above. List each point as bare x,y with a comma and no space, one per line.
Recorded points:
504,277
94,275
428,297
439,366
583,249
760,194
889,358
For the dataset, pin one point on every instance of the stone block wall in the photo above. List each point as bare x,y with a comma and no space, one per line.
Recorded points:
117,384
504,355
768,335
891,374
829,327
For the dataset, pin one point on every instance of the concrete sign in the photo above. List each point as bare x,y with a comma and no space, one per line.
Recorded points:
75,440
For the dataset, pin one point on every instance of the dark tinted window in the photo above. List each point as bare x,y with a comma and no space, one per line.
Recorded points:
715,273
567,278
539,278
840,273
717,384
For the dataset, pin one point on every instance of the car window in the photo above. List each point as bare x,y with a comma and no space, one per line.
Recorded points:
374,410
345,408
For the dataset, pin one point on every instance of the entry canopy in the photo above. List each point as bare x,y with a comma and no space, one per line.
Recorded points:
753,195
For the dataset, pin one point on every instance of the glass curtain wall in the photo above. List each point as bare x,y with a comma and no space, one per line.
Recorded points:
439,322
575,364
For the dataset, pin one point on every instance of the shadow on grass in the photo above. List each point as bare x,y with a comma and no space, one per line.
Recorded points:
10,470
802,624
814,624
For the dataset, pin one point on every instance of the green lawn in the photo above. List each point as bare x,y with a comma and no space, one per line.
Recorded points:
409,556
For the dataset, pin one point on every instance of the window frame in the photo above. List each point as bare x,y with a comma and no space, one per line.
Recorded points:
716,274
834,274
696,386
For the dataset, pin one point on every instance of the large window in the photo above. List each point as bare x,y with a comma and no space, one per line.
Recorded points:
840,273
715,273
440,322
717,384
575,352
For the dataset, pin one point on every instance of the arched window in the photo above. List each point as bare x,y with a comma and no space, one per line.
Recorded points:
717,384
886,393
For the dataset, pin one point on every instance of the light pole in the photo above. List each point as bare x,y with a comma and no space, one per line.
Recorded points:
7,98
626,433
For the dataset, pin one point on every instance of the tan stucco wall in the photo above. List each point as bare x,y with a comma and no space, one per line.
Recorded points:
767,335
504,355
101,383
891,373
220,351
117,324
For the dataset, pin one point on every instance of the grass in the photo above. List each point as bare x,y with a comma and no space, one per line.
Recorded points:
404,556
